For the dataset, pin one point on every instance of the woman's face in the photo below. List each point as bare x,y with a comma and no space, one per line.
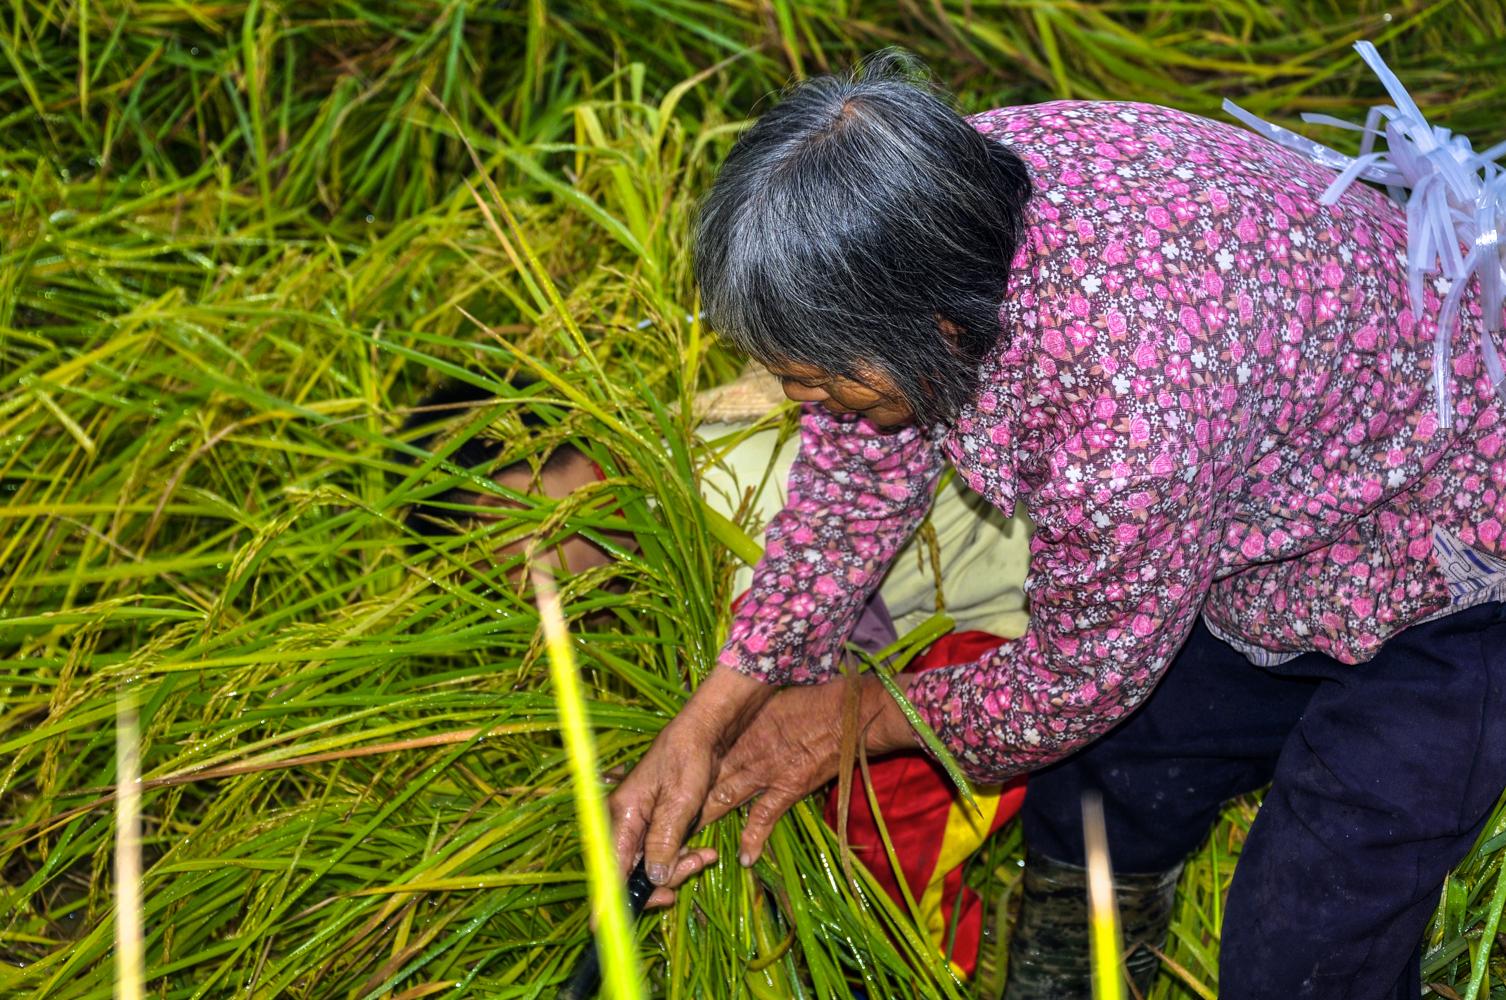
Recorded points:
875,397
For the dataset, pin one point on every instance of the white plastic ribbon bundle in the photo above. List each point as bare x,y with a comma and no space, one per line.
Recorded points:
1452,194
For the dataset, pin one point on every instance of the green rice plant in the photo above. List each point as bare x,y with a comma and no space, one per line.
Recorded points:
241,239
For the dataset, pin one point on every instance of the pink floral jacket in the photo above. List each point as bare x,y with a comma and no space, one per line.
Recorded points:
1213,398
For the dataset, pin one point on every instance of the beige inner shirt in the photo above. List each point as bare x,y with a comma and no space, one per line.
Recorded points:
983,553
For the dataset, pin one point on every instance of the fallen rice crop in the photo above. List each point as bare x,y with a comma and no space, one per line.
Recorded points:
240,241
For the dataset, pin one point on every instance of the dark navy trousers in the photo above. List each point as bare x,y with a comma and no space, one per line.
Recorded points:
1381,776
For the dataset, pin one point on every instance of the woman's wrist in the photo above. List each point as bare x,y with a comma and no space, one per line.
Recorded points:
885,727
724,704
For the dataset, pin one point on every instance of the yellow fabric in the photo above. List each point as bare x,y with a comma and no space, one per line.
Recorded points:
965,833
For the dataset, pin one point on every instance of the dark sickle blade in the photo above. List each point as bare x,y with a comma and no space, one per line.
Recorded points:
586,979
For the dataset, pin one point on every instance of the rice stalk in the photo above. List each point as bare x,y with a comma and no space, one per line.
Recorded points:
127,857
1106,943
608,904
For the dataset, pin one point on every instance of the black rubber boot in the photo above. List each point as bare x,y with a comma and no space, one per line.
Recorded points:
1048,953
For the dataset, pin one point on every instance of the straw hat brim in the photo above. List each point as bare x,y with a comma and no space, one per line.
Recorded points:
750,396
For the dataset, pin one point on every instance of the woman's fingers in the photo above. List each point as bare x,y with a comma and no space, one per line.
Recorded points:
657,802
776,794
629,822
659,899
666,832
762,816
788,752
734,786
697,860
778,783
692,862
653,807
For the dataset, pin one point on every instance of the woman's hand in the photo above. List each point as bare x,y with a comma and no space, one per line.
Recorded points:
654,806
793,747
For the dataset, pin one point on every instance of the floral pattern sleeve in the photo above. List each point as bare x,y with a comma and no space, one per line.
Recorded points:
856,493
1118,573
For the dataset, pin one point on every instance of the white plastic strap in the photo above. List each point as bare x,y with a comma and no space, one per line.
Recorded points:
1453,195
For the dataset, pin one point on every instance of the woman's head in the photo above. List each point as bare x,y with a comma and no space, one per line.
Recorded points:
859,235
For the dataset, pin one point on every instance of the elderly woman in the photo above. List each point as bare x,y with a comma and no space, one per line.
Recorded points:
1268,521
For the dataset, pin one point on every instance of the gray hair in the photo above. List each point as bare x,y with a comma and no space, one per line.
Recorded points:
853,216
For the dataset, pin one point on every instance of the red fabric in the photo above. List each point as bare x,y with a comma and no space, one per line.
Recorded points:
915,797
